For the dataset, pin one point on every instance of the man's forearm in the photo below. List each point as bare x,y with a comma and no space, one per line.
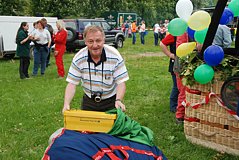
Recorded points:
121,88
69,93
166,51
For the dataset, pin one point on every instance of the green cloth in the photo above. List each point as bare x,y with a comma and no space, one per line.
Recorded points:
126,128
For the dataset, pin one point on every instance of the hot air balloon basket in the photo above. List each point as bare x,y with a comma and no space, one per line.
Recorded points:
208,122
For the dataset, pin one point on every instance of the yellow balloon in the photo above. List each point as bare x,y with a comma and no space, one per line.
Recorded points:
199,20
185,48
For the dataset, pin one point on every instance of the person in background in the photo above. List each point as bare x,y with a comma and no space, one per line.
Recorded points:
222,37
123,27
142,31
166,23
170,41
42,38
102,71
32,44
50,29
134,30
180,110
156,34
162,32
34,28
23,41
35,25
126,29
130,30
60,47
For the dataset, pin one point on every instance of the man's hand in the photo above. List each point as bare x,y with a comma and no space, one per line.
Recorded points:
172,56
199,47
119,104
36,38
55,53
65,108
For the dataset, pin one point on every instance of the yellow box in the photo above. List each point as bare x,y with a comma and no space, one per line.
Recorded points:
93,121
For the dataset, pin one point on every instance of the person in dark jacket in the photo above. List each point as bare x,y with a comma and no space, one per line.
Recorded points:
23,49
170,41
50,29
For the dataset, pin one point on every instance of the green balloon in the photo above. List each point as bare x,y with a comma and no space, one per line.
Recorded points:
200,35
234,6
177,27
203,74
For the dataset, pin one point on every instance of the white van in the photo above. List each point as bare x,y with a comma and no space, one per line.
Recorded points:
9,26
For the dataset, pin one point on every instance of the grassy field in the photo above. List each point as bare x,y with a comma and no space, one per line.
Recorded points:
31,109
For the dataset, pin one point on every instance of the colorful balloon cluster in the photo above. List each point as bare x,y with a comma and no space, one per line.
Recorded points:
197,22
196,25
213,56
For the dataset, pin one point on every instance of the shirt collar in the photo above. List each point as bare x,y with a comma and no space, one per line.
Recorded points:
102,58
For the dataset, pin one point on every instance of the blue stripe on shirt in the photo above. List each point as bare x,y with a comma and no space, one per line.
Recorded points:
121,75
81,58
96,82
98,70
110,58
75,66
72,75
120,63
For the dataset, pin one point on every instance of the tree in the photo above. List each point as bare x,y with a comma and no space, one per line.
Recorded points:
166,9
56,8
151,11
197,4
13,7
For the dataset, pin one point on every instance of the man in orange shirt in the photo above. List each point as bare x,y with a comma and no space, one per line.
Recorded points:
134,30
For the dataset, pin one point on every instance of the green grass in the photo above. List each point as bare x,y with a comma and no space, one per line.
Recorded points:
31,109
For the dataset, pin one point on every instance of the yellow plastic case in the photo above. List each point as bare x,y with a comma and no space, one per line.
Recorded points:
93,121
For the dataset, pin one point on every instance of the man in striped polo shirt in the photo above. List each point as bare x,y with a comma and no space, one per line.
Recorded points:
101,70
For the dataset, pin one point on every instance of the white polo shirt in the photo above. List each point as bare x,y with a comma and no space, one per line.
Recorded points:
114,72
43,35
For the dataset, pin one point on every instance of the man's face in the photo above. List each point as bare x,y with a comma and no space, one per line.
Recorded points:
95,42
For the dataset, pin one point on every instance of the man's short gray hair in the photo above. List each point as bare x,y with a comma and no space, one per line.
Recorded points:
93,28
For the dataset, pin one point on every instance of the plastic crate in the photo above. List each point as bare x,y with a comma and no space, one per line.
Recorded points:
92,121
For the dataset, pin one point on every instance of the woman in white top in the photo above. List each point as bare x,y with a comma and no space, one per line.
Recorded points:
142,32
156,34
42,41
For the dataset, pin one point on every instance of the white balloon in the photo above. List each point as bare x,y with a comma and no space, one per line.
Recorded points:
184,9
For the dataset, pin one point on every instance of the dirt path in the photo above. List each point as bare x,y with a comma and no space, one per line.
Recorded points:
147,54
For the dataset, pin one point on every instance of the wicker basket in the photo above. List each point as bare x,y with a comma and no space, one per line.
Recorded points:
207,122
